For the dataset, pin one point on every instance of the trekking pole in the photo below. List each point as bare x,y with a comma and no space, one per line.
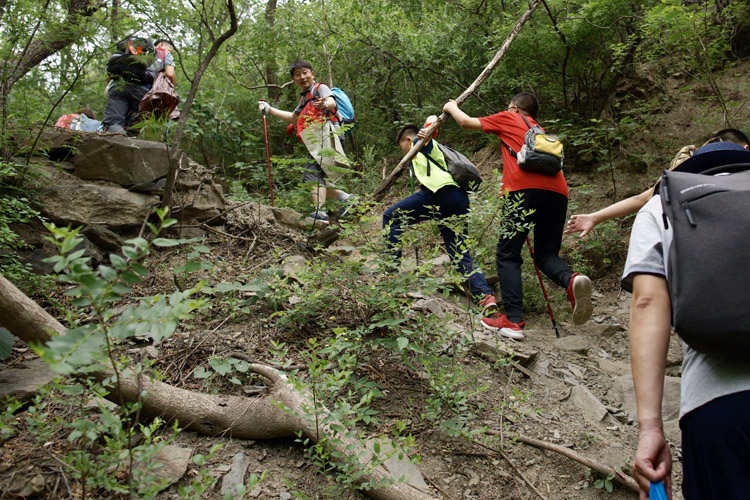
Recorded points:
268,155
544,290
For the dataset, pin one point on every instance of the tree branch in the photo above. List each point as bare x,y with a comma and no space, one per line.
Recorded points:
381,190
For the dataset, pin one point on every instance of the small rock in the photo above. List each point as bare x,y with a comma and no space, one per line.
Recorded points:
622,391
236,476
430,306
574,343
174,461
593,410
23,487
285,496
24,383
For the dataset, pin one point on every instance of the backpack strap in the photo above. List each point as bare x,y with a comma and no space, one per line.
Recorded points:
513,153
432,160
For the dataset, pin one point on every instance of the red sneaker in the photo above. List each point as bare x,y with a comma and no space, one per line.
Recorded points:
579,295
505,327
488,303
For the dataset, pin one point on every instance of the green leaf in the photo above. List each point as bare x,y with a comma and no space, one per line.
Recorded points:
201,373
165,242
402,342
117,261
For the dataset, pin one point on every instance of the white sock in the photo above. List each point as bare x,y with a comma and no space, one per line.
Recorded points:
342,196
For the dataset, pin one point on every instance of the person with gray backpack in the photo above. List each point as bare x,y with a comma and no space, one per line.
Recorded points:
533,183
440,198
687,267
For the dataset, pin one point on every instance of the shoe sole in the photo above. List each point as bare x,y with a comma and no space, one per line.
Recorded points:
505,332
582,295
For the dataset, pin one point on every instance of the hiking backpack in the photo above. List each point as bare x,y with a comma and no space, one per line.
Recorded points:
139,69
344,110
708,271
463,171
541,153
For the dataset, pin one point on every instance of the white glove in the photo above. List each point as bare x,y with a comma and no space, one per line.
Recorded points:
264,107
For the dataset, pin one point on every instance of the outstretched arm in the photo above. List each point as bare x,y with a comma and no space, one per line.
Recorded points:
650,326
584,223
465,121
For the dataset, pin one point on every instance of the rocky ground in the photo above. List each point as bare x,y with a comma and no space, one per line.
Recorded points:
574,392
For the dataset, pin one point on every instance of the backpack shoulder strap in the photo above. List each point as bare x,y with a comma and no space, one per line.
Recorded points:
512,153
526,121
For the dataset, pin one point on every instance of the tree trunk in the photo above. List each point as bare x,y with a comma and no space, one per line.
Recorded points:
176,153
212,415
271,80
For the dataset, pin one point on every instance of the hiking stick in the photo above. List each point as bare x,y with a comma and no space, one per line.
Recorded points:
268,155
544,290
381,190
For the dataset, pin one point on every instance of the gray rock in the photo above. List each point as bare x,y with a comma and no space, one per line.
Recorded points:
429,306
293,265
103,238
622,391
613,367
574,343
399,466
24,383
24,487
606,329
94,204
204,203
235,476
174,462
593,410
121,159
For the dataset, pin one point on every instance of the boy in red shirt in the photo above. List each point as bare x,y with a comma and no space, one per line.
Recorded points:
547,197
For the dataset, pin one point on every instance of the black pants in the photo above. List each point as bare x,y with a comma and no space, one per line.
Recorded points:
550,210
716,449
122,107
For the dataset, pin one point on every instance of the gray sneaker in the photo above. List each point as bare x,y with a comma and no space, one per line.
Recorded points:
346,206
319,216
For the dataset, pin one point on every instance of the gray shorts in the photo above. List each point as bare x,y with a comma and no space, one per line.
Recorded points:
313,173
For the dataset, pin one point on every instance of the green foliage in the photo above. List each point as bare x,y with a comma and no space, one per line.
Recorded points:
15,207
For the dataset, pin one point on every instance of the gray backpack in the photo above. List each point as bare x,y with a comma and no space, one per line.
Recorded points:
463,171
541,153
708,272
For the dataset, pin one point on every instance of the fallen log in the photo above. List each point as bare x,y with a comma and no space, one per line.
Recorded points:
276,415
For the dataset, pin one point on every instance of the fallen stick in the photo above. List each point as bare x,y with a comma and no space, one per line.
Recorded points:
619,476
381,190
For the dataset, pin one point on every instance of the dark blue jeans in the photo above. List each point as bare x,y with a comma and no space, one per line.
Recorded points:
549,218
426,205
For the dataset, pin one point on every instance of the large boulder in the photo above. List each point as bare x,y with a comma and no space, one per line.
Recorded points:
120,159
111,206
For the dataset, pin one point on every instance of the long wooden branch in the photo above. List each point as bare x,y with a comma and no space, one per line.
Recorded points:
285,412
619,476
381,190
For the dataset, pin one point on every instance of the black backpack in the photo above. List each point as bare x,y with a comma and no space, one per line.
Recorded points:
463,171
139,69
708,271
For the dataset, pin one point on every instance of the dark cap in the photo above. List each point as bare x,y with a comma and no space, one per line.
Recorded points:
715,154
